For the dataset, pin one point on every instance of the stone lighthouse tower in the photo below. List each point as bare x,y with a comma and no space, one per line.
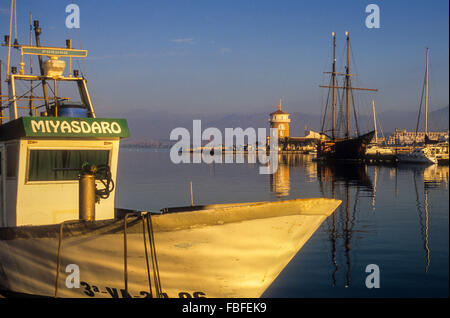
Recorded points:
280,119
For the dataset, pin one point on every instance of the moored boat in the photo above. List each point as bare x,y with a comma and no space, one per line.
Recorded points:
59,225
418,155
347,147
430,152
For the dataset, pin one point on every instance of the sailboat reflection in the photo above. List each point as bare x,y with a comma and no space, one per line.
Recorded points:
341,179
423,219
433,177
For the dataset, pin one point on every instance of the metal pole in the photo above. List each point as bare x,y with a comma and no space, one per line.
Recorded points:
374,121
9,39
333,77
37,33
86,197
426,96
192,196
347,88
30,103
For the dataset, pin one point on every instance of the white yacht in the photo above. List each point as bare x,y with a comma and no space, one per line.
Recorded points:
424,155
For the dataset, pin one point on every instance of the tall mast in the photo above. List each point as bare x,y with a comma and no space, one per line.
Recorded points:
347,88
426,96
333,84
374,121
37,33
30,103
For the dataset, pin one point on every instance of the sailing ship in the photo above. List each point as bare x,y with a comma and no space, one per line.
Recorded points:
58,216
347,147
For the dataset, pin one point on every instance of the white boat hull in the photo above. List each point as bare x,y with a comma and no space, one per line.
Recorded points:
229,251
409,158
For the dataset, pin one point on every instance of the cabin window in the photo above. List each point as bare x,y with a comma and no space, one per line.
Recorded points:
56,165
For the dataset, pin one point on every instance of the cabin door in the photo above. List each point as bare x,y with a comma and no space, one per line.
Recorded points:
2,186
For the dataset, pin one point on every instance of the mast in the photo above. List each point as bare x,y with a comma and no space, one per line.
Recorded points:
374,121
333,84
8,42
347,89
37,33
347,86
30,102
426,96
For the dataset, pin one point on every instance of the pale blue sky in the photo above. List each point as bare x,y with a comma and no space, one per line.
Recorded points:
242,56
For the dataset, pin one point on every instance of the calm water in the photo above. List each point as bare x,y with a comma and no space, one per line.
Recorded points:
394,217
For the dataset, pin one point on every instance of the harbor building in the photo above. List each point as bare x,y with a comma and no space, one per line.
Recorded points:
280,119
404,137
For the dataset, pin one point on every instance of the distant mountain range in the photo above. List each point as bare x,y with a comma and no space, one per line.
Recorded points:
147,125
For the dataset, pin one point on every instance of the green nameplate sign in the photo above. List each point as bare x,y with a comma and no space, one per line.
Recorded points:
53,51
74,127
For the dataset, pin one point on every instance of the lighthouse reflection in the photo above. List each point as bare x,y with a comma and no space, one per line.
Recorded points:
280,183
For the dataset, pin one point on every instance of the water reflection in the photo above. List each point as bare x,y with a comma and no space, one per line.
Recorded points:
435,176
350,183
340,180
280,180
426,178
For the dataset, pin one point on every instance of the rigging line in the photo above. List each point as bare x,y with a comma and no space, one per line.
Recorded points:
420,110
83,71
381,128
326,108
423,227
354,113
146,257
358,81
58,259
156,276
17,98
125,253
340,120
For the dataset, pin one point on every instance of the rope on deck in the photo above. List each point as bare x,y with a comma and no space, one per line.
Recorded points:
58,259
156,277
147,226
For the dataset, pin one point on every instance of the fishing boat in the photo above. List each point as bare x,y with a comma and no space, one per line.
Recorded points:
347,147
426,153
61,234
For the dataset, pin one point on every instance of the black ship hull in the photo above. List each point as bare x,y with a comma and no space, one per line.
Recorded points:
345,149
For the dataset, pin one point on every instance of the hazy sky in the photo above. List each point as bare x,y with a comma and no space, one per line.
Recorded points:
218,56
